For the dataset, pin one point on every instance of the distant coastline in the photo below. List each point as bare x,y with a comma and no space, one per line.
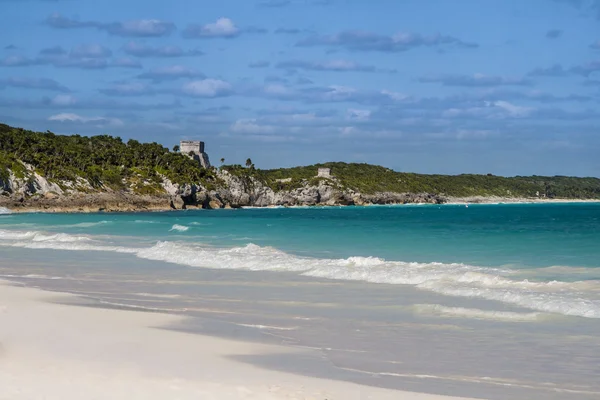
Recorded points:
511,200
158,205
45,172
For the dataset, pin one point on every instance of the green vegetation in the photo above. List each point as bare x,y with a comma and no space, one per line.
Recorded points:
102,160
370,179
107,161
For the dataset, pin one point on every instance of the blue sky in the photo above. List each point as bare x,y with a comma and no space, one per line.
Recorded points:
435,86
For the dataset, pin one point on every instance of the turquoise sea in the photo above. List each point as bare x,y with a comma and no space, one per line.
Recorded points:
489,301
545,257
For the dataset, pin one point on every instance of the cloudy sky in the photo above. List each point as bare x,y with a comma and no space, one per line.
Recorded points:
498,86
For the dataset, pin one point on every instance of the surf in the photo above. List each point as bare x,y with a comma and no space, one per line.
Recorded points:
578,298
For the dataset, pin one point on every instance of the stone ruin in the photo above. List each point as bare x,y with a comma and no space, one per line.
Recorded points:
324,173
195,150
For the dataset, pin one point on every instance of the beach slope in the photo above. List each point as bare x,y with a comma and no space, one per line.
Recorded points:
50,350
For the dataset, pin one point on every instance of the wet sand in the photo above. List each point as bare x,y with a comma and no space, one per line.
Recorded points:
55,351
348,333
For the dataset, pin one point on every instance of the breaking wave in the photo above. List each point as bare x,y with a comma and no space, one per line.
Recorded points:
57,241
179,228
4,210
579,298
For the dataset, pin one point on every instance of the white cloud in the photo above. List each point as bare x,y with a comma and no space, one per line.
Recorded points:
251,126
128,89
143,50
337,65
277,89
513,110
207,88
70,117
490,110
90,51
394,95
465,112
222,27
337,92
144,27
171,72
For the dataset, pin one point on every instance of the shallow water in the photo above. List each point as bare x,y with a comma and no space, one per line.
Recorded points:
499,302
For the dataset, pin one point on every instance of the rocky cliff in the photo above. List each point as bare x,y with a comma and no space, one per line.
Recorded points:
31,191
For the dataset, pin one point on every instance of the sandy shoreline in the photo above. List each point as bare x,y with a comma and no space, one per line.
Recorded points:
128,208
54,351
514,200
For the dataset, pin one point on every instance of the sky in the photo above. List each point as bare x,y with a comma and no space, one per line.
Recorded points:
507,87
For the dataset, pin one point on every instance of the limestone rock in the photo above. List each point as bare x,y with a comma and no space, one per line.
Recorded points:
177,203
214,204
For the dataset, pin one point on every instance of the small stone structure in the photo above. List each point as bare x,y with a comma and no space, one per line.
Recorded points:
195,150
324,172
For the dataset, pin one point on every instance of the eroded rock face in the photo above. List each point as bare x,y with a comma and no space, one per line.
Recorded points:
241,192
235,192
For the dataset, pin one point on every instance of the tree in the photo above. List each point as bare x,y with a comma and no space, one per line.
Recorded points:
248,163
222,160
176,148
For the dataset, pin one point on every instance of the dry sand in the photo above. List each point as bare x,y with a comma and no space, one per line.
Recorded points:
52,351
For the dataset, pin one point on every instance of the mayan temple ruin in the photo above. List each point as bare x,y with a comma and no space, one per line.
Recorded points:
195,150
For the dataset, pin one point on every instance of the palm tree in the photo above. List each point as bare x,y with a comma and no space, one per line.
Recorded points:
248,163
176,148
222,160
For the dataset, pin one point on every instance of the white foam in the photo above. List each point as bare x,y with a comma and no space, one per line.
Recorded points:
57,241
460,312
143,308
179,228
165,296
87,224
277,328
4,210
580,298
32,276
569,298
249,257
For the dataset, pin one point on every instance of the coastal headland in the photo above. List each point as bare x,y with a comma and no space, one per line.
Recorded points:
58,173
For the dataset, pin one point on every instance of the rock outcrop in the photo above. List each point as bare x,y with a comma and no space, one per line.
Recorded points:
35,192
242,192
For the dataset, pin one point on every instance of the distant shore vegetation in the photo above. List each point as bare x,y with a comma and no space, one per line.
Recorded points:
107,161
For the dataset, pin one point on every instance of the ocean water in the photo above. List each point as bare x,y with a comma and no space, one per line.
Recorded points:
391,296
543,257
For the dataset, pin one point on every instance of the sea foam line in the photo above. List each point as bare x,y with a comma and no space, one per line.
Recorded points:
579,298
475,313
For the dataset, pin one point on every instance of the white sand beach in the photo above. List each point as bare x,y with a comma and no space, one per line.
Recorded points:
54,351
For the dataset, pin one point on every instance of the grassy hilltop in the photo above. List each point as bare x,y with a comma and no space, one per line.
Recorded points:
372,178
107,161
